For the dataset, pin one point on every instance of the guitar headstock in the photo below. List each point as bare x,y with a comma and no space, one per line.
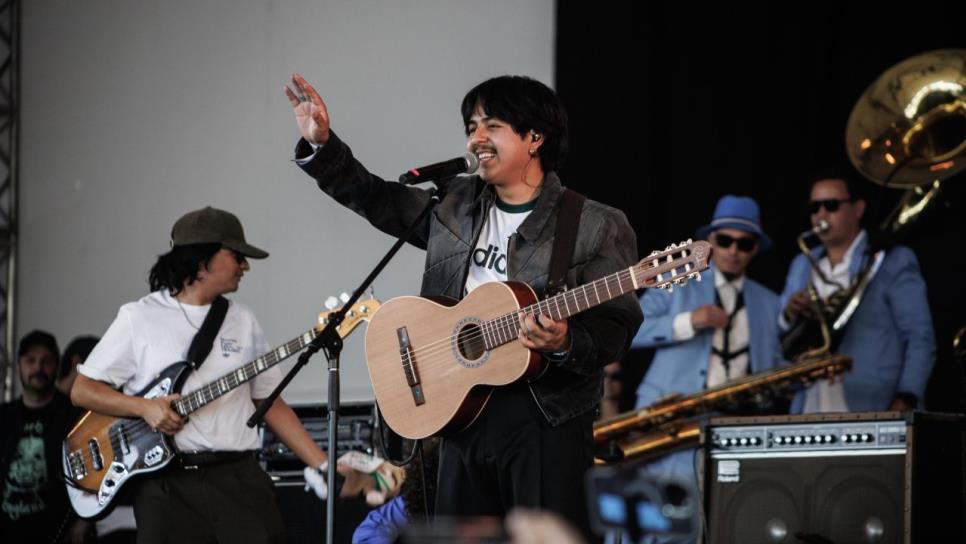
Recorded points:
360,311
677,264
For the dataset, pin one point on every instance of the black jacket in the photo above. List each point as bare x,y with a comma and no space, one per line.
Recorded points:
605,244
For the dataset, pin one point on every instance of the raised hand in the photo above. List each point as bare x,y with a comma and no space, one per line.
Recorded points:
311,115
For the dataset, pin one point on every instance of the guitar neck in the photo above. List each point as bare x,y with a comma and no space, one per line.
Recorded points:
505,328
200,397
673,266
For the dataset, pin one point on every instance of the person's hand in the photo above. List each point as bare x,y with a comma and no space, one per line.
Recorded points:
311,115
799,307
159,414
364,474
542,333
709,316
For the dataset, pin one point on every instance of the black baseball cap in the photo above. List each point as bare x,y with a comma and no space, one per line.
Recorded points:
211,225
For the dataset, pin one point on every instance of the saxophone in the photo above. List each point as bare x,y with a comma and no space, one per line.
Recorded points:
672,422
808,338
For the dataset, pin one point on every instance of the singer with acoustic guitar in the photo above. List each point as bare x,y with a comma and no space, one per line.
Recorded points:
531,443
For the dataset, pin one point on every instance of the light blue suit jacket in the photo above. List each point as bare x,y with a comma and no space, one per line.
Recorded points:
890,336
681,367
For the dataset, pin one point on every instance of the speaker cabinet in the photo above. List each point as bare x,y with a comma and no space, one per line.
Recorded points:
868,478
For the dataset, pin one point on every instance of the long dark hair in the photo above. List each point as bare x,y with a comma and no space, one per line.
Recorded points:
526,104
179,267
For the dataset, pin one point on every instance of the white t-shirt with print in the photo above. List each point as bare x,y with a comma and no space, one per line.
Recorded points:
489,260
152,333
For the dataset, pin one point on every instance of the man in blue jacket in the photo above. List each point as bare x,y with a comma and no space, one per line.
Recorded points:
889,337
709,332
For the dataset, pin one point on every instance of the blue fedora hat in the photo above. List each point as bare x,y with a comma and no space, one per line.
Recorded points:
736,212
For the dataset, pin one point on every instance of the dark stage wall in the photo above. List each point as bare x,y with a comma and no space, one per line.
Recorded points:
673,106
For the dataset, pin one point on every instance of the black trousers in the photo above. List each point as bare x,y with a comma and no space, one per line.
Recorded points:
511,456
226,503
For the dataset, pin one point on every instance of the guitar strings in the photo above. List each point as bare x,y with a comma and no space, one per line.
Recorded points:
138,428
508,322
429,353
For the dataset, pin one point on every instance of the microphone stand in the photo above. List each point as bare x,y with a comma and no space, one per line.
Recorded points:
330,342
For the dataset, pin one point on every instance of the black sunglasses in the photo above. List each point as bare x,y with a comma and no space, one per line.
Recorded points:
745,243
238,256
831,204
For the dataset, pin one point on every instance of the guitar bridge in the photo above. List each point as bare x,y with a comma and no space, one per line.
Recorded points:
75,460
407,359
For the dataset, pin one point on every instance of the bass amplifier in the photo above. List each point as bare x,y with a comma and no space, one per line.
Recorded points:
357,428
878,477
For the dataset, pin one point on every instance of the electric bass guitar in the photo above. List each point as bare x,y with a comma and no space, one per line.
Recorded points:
101,452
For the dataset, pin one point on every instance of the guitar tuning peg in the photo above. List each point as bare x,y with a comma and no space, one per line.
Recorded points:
344,297
669,287
690,241
655,252
697,276
331,303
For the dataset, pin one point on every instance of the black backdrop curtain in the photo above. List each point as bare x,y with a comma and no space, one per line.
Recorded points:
672,106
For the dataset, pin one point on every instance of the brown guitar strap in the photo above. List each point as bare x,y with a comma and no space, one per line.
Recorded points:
564,241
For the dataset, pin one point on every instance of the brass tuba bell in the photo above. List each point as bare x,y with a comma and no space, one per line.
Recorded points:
908,130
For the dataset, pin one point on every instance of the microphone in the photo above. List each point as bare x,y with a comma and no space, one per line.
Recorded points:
468,163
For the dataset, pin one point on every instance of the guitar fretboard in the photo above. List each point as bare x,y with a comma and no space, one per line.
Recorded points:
200,397
657,270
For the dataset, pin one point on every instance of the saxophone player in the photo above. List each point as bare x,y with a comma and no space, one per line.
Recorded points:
890,335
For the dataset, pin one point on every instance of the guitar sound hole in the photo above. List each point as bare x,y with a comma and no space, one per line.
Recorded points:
470,342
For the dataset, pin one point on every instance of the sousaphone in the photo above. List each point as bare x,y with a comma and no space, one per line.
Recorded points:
908,130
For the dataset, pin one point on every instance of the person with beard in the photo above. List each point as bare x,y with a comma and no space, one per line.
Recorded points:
34,505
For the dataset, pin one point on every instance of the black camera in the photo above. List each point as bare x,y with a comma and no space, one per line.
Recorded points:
631,500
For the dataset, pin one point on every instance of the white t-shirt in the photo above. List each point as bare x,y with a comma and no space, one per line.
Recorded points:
152,333
489,260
